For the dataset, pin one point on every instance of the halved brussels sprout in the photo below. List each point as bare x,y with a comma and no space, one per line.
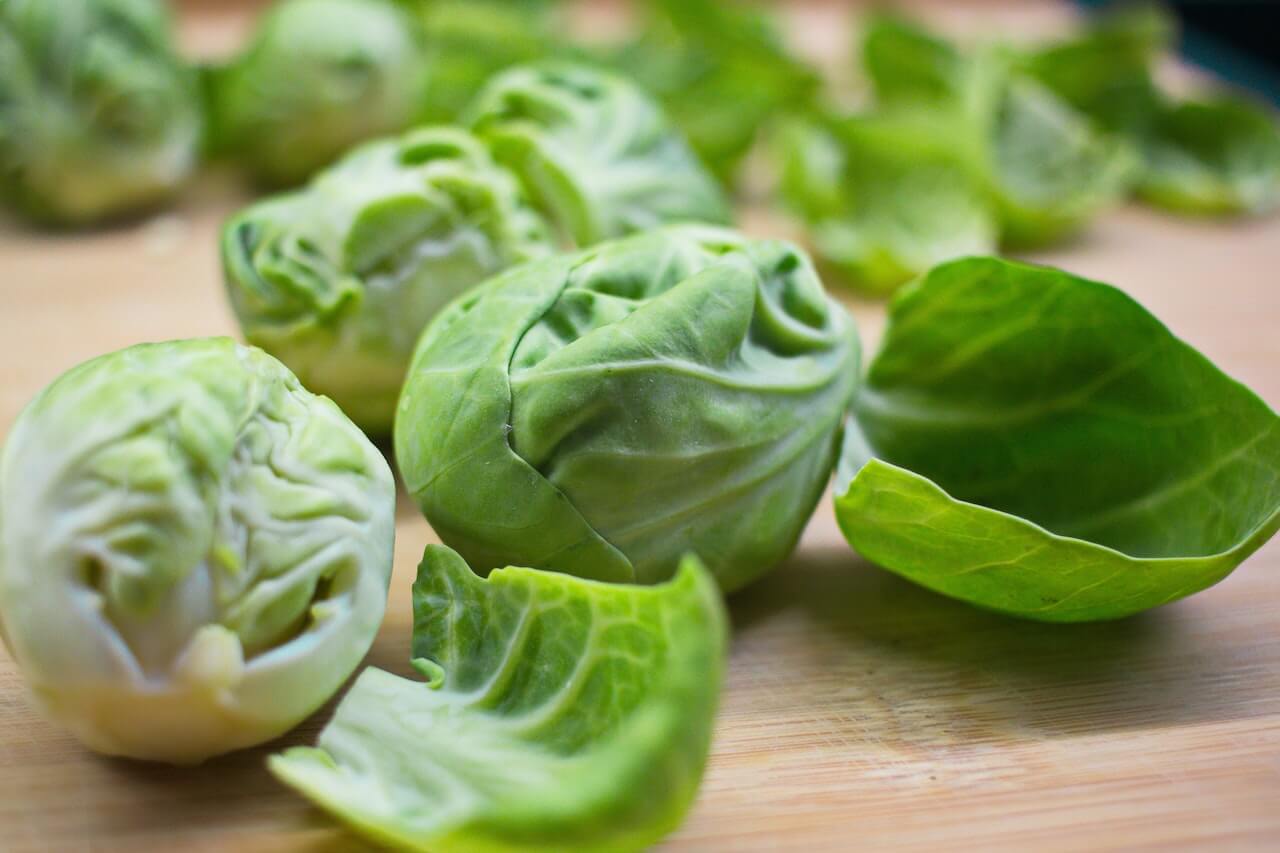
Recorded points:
338,279
318,77
194,549
98,117
594,152
604,413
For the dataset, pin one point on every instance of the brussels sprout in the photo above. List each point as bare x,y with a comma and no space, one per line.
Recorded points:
339,279
1038,444
604,413
318,77
594,152
472,40
558,714
97,115
194,549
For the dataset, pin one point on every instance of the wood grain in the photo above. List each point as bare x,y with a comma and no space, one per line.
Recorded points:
860,711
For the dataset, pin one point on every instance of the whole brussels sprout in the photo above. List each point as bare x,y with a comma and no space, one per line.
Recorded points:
318,77
98,117
605,412
339,279
194,549
594,152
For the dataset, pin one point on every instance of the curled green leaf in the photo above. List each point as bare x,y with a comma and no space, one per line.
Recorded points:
1040,445
339,279
560,714
605,412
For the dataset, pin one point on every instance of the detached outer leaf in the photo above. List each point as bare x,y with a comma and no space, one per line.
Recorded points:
886,196
1039,444
603,413
561,714
594,152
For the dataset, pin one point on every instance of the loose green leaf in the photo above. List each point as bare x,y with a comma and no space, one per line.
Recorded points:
98,116
194,549
721,70
594,152
560,714
885,196
1216,156
318,77
1039,444
1045,167
604,413
339,279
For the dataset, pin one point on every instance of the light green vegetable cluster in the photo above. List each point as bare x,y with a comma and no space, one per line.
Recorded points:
338,279
961,151
606,412
194,550
1214,155
318,77
98,117
558,714
595,153
1039,444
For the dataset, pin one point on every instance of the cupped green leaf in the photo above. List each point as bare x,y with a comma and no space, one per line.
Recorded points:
1039,444
885,196
194,549
318,77
98,116
339,279
594,152
604,413
1046,168
1215,156
559,714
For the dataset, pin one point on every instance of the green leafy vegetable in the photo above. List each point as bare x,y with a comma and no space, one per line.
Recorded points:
604,413
1039,444
559,714
194,550
1217,156
318,77
1045,167
594,152
720,69
885,196
98,117
340,278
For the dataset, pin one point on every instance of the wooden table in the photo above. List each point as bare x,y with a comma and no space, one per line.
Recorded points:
860,711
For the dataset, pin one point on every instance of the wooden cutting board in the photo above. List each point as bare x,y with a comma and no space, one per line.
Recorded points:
860,711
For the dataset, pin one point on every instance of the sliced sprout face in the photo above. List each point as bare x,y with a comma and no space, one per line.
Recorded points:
559,714
1216,157
885,196
594,152
98,116
1038,444
338,279
605,412
194,550
318,77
